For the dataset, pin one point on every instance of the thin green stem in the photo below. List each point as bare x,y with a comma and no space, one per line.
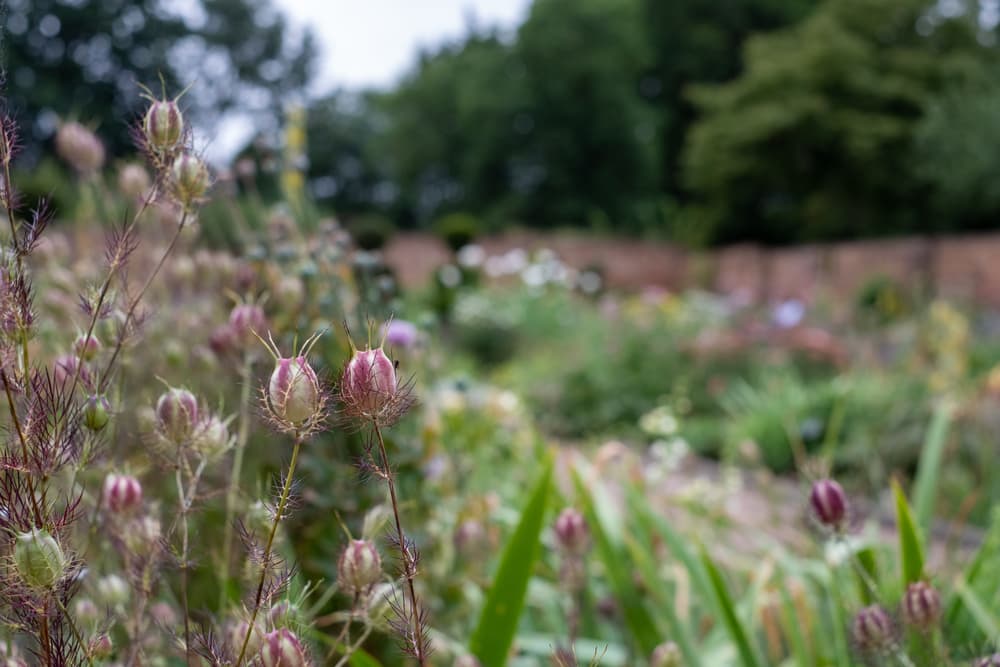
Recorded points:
282,502
409,567
75,632
182,500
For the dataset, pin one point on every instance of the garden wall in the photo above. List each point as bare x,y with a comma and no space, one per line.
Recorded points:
965,267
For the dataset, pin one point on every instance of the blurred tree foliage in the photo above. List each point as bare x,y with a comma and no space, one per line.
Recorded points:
85,59
815,140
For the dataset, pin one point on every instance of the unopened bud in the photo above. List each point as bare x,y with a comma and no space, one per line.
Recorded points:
282,649
67,367
246,319
122,493
294,391
359,567
369,381
921,605
96,412
163,125
571,531
829,503
190,178
101,647
872,629
142,534
39,558
80,147
86,611
177,415
666,654
86,347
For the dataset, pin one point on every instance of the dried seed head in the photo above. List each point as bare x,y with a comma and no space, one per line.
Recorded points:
113,591
177,415
829,503
100,647
80,148
294,394
369,381
122,493
190,179
86,347
572,535
39,559
133,181
666,654
211,437
96,412
244,320
359,567
163,125
282,649
921,606
872,629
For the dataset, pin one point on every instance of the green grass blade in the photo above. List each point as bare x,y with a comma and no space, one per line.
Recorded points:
868,573
980,612
911,553
748,654
925,487
793,626
494,634
619,571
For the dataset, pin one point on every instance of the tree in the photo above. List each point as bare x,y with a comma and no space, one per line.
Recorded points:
86,59
691,42
814,140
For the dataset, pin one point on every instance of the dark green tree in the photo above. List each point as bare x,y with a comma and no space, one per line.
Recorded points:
814,140
86,59
693,41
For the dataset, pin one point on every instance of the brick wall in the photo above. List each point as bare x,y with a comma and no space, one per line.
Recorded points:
962,267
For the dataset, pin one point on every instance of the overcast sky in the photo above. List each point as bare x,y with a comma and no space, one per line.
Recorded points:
372,42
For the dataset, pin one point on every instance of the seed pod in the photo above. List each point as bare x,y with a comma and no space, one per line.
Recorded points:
571,531
829,503
369,381
96,412
238,632
101,647
142,535
245,319
113,591
86,347
80,147
122,493
163,125
133,181
39,559
211,437
282,648
190,178
872,629
293,391
177,415
921,606
666,655
359,567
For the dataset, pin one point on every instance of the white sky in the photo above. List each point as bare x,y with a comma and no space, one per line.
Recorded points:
373,42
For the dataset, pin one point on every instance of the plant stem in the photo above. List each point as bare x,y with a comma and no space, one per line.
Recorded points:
24,446
417,640
285,491
182,500
234,475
